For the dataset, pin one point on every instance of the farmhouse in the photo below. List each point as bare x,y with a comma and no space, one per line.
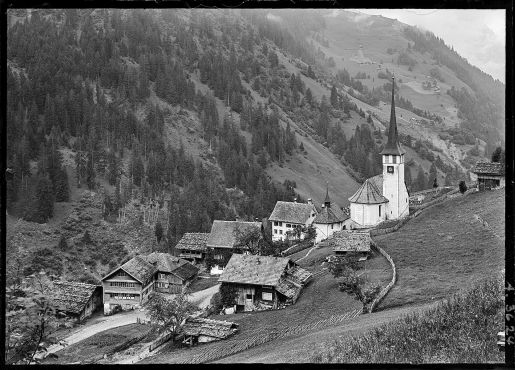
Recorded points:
289,218
200,330
192,246
128,286
173,274
383,197
330,219
488,175
224,240
351,242
77,300
263,282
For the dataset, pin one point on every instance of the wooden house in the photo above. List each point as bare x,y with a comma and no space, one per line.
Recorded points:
192,246
173,274
76,300
200,330
351,242
289,218
224,237
129,285
488,175
263,282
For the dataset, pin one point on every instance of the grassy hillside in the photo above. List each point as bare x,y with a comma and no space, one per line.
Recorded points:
446,248
460,330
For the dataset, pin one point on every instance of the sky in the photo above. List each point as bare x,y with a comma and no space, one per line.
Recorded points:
478,35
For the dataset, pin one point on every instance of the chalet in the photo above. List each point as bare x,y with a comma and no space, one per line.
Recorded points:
200,330
173,274
76,300
351,242
128,286
192,246
488,175
224,237
263,282
330,219
289,218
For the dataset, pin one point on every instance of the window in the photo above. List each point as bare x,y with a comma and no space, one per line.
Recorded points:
266,296
275,231
249,296
379,210
394,157
288,225
386,158
122,296
218,257
122,273
280,232
280,223
122,284
276,223
332,226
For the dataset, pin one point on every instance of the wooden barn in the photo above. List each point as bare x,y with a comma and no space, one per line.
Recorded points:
264,282
200,330
173,274
76,300
192,246
488,175
351,242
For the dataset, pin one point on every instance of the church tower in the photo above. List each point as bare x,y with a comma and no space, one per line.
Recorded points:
394,188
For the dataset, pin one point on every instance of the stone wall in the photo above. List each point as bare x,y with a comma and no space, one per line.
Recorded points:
390,285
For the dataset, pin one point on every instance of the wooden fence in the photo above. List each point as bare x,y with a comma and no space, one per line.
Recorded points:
159,341
390,285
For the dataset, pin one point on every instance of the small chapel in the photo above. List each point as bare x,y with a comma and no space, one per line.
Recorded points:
385,196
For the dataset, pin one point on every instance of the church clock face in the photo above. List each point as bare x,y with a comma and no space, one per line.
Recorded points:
389,169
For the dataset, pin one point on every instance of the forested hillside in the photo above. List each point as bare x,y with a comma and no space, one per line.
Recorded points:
221,113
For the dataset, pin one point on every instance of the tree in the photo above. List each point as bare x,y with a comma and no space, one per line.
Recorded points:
167,315
432,176
498,155
44,207
463,187
228,295
421,179
345,270
435,184
159,231
63,244
334,97
30,318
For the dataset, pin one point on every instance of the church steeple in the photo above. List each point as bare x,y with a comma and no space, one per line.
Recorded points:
327,201
392,146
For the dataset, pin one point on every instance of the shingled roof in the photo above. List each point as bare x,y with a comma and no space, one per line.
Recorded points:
489,168
71,296
193,241
256,270
296,213
224,233
378,182
350,241
139,269
196,326
368,193
172,265
330,215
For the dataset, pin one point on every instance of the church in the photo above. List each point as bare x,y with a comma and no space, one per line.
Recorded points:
383,197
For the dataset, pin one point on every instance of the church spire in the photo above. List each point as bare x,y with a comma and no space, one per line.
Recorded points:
327,201
392,146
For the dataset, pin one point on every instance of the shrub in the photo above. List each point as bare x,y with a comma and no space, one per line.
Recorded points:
227,295
216,302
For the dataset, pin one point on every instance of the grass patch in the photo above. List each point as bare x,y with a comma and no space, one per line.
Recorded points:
460,330
106,342
203,283
446,248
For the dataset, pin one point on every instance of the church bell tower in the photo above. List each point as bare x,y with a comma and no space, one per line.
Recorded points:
394,188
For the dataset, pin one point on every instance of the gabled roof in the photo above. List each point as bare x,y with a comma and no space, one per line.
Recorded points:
71,296
296,213
224,233
288,288
139,269
330,215
392,145
299,274
193,241
350,241
252,269
172,265
489,168
368,193
185,271
377,180
196,326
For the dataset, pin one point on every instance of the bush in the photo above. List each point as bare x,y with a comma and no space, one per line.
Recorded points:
463,187
216,302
